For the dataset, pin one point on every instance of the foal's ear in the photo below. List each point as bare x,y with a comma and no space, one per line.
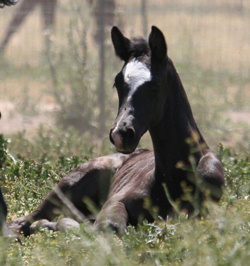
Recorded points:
157,44
121,44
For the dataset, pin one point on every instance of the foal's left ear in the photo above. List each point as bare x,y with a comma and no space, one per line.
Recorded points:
157,44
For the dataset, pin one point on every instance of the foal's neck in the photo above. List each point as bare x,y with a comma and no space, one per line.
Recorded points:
177,132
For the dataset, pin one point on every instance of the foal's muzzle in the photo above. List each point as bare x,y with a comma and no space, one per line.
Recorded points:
124,139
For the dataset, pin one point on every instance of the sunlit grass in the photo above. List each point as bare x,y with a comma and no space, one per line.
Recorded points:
219,239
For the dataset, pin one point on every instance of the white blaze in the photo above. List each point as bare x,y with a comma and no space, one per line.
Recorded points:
135,74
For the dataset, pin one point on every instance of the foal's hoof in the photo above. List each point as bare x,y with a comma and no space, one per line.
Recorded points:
62,225
20,225
116,229
110,226
67,224
36,226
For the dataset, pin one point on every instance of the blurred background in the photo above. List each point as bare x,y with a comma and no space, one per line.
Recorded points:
57,64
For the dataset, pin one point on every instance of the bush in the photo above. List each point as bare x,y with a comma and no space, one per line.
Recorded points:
73,87
3,150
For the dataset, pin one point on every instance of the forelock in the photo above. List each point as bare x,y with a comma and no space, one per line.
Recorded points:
139,47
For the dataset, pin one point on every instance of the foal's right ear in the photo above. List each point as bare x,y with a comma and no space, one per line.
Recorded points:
121,44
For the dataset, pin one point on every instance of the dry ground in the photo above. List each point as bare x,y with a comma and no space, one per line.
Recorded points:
12,121
215,35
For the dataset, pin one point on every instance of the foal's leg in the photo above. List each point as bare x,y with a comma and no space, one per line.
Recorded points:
113,216
87,181
211,172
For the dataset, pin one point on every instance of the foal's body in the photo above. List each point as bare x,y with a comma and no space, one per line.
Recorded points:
151,97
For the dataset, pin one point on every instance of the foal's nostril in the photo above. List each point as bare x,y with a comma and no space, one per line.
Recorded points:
130,134
110,136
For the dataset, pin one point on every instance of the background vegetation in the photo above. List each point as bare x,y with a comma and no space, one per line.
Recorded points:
50,119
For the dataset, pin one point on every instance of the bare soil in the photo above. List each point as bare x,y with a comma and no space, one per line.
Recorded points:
12,121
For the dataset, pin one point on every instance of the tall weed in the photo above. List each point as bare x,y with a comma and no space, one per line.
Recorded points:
73,87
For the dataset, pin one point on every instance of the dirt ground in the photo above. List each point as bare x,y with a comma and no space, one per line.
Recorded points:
213,34
12,122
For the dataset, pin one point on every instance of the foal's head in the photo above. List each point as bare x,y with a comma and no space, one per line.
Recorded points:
141,87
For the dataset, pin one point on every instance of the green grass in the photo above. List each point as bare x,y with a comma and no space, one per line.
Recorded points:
26,178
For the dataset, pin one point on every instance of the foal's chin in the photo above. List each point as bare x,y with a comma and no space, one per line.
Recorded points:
126,149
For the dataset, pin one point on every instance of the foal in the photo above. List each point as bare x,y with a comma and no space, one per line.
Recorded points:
181,171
